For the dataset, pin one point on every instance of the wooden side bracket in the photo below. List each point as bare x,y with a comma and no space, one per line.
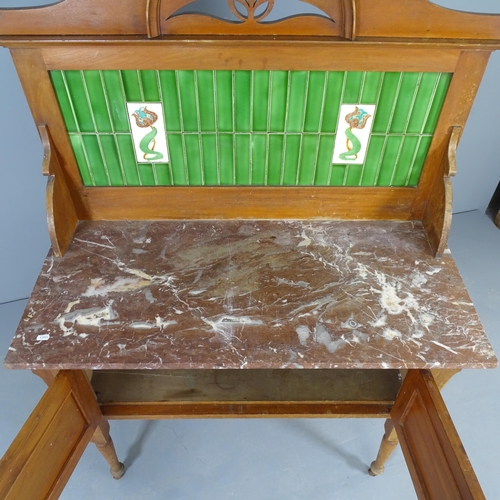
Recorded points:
61,213
438,213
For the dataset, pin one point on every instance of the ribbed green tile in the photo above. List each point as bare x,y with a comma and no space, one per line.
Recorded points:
225,100
226,159
127,156
149,82
206,99
113,87
170,101
146,174
333,98
419,161
442,89
95,160
186,88
261,101
371,88
279,100
78,96
291,160
98,101
324,163
163,174
285,124
210,159
76,143
317,81
259,160
307,160
337,175
353,87
299,81
372,161
64,101
111,160
276,146
132,85
176,151
387,101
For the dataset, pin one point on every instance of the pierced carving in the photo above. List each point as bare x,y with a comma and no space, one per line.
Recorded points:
259,17
253,13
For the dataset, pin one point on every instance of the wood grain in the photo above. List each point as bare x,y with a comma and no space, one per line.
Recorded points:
438,464
234,202
40,460
61,213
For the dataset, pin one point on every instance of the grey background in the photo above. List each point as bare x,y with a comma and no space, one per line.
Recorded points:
23,235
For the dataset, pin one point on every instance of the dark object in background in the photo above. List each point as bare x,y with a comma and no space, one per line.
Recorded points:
493,210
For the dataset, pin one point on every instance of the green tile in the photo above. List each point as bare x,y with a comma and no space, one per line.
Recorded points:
146,174
113,87
170,101
243,159
226,159
206,99
333,100
127,155
317,81
186,87
419,161
242,90
308,160
371,88
163,174
337,175
76,142
149,81
210,154
389,160
423,102
353,177
64,102
291,160
406,96
325,155
352,92
98,102
193,160
442,89
405,160
132,86
259,159
261,81
298,94
177,162
95,159
279,100
111,160
276,143
79,99
372,161
386,102
225,100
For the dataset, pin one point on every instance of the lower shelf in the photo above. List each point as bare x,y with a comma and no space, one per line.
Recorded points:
245,393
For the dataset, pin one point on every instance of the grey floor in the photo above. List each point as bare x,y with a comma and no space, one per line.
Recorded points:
278,459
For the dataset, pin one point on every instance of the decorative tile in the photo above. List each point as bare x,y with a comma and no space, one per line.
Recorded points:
352,142
148,131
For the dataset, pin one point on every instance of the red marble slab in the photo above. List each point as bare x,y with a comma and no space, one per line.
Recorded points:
249,294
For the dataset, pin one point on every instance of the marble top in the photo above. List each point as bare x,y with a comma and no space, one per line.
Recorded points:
249,294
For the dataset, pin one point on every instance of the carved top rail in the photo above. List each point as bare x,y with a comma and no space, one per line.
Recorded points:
343,19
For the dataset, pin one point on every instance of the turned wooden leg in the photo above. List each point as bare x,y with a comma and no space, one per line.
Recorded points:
387,446
104,443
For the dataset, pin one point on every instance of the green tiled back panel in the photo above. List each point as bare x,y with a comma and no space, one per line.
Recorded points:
250,127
